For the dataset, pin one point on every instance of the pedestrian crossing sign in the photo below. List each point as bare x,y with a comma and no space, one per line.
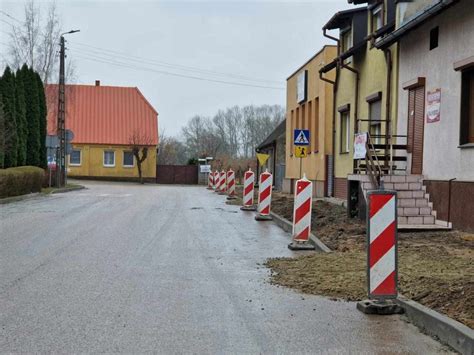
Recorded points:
301,137
301,151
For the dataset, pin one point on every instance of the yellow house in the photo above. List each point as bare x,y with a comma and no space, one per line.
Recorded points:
107,123
309,103
366,77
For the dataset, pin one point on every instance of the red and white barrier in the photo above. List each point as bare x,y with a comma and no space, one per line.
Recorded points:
210,180
382,250
264,196
222,182
248,192
302,210
217,181
231,184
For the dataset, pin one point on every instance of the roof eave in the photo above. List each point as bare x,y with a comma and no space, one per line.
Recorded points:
417,21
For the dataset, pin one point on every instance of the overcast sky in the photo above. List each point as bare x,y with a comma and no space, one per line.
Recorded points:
261,40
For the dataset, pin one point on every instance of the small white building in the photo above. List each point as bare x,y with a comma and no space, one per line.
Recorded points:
436,101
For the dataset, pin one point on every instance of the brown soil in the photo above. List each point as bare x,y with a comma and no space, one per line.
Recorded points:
435,268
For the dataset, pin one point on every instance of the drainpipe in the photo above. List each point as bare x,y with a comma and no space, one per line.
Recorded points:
449,200
334,91
388,125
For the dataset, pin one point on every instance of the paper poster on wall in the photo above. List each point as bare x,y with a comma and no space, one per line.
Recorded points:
360,145
433,106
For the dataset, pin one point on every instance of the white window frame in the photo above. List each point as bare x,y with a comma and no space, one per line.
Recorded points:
103,157
123,159
377,12
80,157
347,40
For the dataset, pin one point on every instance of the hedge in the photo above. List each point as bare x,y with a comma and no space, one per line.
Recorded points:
20,180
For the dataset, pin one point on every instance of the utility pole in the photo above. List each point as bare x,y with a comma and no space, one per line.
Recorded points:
61,173
61,128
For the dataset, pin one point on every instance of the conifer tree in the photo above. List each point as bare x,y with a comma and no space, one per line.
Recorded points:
7,90
43,112
32,117
22,125
2,132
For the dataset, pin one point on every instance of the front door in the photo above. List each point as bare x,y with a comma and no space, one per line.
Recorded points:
416,119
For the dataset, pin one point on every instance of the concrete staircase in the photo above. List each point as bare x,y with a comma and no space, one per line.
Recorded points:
414,209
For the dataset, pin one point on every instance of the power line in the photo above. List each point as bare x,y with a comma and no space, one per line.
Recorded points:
10,16
175,66
129,66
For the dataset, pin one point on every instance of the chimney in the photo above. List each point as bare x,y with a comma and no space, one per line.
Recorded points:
97,83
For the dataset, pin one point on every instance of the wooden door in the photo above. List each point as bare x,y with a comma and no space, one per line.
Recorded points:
416,119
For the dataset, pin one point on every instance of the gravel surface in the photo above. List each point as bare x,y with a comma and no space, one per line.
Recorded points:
166,269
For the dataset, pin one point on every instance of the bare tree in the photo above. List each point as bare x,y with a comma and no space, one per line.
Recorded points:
140,144
170,151
35,42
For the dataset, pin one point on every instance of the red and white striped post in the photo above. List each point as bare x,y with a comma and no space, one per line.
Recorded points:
382,264
302,207
210,180
217,181
231,185
264,196
248,192
382,242
222,183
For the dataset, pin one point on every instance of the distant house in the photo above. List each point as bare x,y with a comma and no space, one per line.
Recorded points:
104,120
274,146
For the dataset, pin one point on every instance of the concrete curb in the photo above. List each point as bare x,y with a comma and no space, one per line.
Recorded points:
287,227
447,330
19,198
68,189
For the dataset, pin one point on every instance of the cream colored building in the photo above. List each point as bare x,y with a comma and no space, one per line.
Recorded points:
309,105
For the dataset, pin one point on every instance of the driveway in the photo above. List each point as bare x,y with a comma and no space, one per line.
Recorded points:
121,267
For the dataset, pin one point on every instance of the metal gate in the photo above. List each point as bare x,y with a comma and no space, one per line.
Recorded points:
177,174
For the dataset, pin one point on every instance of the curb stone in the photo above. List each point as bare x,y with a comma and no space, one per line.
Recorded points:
457,335
453,333
287,227
68,189
19,198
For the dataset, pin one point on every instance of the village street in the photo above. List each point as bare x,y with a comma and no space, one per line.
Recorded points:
127,268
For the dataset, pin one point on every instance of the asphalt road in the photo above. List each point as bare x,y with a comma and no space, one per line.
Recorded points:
166,269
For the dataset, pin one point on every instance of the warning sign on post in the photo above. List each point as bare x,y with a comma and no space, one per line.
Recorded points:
301,136
301,151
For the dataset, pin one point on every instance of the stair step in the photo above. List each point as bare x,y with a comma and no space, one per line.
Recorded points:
414,212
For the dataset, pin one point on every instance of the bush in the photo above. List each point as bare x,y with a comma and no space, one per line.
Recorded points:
20,180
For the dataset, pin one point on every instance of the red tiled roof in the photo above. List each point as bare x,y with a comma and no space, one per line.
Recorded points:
104,114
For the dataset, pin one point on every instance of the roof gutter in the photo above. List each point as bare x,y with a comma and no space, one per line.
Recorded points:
395,36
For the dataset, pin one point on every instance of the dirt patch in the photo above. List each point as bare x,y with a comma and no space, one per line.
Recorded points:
435,268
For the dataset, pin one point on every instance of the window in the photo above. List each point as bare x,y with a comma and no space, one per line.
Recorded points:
375,113
109,158
128,159
467,107
377,18
75,157
434,34
345,132
346,42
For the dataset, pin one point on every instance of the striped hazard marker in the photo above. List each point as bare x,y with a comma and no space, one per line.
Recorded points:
382,267
382,241
222,183
231,185
302,215
217,181
210,181
264,196
248,192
